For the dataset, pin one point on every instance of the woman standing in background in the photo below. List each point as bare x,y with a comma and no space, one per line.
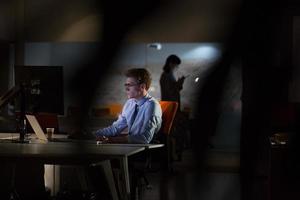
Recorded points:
170,87
170,91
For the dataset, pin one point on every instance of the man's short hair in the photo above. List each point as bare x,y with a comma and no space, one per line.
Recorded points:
141,75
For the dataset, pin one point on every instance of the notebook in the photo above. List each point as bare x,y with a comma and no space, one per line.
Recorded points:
36,128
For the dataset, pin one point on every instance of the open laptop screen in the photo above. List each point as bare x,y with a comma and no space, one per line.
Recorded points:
36,127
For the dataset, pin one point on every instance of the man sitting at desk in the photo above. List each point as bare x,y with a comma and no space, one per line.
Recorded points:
141,113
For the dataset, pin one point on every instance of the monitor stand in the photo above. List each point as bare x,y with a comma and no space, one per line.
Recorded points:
22,120
8,96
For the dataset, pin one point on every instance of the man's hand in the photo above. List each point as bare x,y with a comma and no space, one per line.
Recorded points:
102,139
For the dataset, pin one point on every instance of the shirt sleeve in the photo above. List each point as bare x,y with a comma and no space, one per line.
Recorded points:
151,125
116,128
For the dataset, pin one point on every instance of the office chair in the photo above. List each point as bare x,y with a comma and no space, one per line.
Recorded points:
169,109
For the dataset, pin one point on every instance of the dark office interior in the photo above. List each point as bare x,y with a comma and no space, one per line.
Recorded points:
241,97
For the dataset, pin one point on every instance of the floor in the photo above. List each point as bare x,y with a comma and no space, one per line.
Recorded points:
217,179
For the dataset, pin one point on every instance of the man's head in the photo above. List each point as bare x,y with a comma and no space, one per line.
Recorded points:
137,83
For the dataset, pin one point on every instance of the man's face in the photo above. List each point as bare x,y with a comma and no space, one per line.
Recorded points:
133,88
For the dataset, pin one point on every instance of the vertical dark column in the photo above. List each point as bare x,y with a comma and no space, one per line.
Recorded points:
265,83
22,123
19,56
4,67
19,32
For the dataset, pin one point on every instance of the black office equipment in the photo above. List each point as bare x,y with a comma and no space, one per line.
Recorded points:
17,91
43,88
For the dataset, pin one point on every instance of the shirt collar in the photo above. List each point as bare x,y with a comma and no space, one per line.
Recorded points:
142,100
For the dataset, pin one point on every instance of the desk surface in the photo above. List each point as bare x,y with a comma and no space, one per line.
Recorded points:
84,151
147,146
69,153
59,153
9,136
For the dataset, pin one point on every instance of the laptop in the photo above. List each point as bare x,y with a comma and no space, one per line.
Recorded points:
36,128
41,135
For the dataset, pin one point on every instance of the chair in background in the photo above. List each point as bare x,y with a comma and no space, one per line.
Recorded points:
169,110
115,109
109,110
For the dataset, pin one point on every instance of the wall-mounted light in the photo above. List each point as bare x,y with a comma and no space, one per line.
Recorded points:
156,46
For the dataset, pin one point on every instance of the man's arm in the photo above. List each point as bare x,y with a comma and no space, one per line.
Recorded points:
114,129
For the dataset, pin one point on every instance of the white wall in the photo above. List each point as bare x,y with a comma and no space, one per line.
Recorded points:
74,55
197,58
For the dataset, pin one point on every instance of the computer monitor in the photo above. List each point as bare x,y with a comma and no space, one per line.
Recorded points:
43,88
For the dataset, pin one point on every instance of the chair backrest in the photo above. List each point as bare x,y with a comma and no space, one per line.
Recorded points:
169,109
112,109
115,109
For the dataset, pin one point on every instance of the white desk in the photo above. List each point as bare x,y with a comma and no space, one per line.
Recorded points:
69,153
146,146
73,152
123,159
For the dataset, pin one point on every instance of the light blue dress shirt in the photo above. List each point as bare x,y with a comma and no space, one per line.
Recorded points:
141,129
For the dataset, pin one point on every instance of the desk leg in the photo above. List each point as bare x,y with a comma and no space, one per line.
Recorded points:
106,166
125,175
56,179
52,178
110,179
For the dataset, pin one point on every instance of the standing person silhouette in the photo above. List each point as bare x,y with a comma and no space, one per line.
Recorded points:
170,91
170,87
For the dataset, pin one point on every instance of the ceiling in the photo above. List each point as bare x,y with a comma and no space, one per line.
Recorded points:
88,20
